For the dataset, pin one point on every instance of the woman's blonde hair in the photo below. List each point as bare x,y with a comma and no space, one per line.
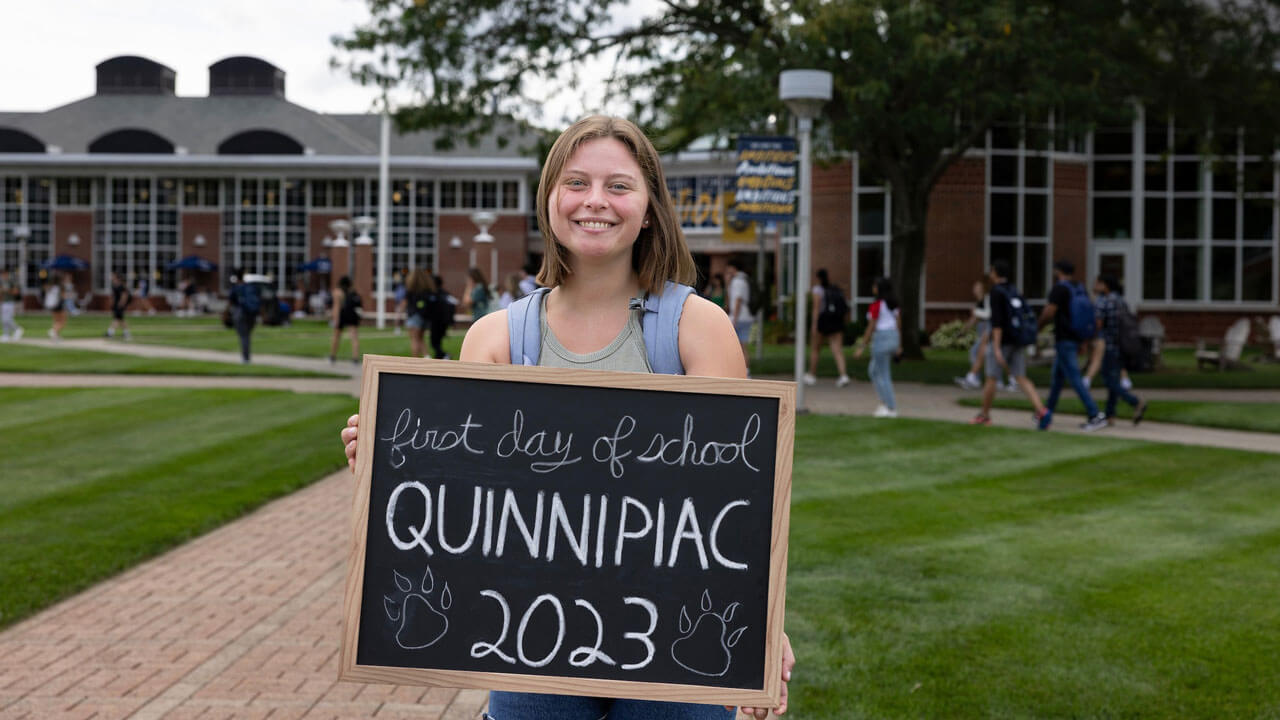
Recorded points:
420,281
660,252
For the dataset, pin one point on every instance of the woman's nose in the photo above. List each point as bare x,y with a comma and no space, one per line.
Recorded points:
596,197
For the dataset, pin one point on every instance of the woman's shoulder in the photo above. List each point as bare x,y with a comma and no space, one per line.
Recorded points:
488,339
708,343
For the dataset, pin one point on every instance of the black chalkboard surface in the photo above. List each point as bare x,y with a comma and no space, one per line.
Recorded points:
578,532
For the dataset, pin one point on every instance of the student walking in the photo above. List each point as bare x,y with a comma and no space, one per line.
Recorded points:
738,305
55,303
477,294
714,291
10,297
246,303
120,299
613,242
345,314
420,306
446,307
884,335
830,310
1110,305
1071,311
1013,327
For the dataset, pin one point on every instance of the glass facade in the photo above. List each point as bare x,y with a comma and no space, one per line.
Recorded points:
1202,207
25,203
1019,225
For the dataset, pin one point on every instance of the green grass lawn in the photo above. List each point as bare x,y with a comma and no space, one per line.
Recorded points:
94,481
939,570
936,570
24,358
1255,417
307,337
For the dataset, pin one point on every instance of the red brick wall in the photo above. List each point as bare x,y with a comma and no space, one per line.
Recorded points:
509,239
1070,214
955,232
832,235
208,225
79,222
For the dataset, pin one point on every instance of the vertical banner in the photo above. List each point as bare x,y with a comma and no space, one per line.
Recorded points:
767,188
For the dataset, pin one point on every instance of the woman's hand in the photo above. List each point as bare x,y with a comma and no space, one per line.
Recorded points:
348,436
857,351
788,662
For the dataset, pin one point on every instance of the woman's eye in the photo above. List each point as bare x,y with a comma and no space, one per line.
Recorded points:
575,182
620,186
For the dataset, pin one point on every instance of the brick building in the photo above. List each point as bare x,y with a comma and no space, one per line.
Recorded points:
134,178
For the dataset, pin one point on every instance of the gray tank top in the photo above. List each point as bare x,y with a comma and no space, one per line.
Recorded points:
625,353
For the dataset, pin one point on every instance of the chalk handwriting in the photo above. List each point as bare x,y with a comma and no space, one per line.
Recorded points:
536,445
409,433
684,450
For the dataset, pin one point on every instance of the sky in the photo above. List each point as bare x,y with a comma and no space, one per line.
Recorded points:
51,58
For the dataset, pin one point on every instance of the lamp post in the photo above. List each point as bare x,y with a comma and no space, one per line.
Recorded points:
22,234
485,220
804,92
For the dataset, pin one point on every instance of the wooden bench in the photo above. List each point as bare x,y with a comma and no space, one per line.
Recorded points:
1228,353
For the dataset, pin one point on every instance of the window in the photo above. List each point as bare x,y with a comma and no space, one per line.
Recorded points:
872,237
1019,202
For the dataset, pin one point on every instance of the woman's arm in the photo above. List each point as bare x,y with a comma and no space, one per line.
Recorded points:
708,344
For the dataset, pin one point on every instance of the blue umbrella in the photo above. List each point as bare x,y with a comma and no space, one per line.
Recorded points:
65,262
193,262
320,265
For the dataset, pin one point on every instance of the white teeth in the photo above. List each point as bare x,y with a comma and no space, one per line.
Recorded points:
595,225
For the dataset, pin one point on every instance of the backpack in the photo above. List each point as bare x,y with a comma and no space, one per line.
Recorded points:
250,300
834,308
1128,341
660,327
1021,327
351,304
1084,323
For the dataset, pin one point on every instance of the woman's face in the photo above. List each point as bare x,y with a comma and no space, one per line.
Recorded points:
600,201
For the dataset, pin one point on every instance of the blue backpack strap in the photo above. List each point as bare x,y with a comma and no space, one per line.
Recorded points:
661,328
524,328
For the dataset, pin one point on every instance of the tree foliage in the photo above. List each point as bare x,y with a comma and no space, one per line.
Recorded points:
916,83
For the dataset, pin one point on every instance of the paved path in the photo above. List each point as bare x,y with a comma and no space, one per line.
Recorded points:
244,621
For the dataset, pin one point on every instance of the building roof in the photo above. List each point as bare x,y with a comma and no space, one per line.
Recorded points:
197,126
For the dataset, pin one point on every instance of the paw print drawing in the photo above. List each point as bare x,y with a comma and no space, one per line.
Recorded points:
421,624
704,646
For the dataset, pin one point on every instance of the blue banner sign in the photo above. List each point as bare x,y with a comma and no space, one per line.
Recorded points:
767,179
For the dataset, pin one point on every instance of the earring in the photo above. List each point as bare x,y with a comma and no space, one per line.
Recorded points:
644,224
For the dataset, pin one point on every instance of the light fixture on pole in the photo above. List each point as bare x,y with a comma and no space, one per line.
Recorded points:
22,233
340,228
484,220
804,92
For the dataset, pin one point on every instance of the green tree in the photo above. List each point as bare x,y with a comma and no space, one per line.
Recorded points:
916,83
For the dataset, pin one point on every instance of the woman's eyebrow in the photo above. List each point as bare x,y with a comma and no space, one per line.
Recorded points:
610,176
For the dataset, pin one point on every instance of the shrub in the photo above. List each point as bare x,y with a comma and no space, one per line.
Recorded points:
953,336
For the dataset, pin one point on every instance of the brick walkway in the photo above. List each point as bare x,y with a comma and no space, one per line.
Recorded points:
243,622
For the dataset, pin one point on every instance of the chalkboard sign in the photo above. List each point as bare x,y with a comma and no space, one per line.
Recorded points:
567,531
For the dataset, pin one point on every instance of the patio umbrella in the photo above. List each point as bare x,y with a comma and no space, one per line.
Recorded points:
193,262
65,262
320,265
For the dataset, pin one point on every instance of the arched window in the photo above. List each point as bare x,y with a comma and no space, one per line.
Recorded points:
260,142
17,141
131,141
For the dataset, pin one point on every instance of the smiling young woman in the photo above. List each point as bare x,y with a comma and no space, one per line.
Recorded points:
611,239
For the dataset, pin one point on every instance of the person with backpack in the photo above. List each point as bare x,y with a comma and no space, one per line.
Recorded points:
1013,328
1071,311
345,314
616,296
246,304
120,299
738,304
884,336
1118,329
830,311
420,300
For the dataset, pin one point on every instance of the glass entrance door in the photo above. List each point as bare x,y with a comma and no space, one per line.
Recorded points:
1116,262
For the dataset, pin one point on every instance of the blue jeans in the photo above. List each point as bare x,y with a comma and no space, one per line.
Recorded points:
244,322
884,345
532,706
1067,371
1111,376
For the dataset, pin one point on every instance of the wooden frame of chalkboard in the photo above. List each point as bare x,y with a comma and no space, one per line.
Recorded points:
509,442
